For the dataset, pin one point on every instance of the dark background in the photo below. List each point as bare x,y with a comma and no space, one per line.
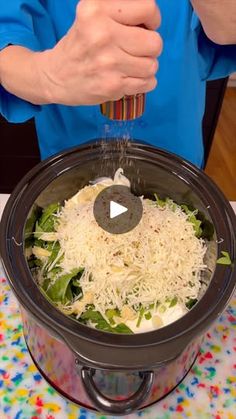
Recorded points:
19,149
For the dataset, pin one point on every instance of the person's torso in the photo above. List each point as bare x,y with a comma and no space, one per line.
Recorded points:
173,113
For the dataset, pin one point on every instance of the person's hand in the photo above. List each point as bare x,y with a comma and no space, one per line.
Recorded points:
105,54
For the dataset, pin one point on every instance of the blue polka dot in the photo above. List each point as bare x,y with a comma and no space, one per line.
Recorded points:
6,409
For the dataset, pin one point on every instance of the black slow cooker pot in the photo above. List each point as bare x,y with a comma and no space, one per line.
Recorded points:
115,374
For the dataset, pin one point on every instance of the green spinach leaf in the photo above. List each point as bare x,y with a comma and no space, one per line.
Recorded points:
58,291
160,202
47,219
101,324
191,302
54,248
46,283
192,216
112,313
140,317
122,328
75,285
148,316
225,259
30,225
33,262
173,302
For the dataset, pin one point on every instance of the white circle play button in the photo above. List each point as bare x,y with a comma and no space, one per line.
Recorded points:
117,210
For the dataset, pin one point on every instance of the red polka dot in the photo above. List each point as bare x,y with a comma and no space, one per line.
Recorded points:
232,319
39,410
208,355
179,408
39,402
215,391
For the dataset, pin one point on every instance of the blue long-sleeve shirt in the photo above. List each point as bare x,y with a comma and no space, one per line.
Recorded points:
174,110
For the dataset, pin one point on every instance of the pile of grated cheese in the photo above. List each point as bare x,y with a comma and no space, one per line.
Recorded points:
159,259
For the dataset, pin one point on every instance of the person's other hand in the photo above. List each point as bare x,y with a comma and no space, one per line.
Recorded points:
105,54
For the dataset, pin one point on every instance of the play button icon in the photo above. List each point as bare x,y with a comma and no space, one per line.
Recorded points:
117,210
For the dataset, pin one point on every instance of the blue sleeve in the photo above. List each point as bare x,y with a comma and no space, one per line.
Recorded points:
17,28
215,61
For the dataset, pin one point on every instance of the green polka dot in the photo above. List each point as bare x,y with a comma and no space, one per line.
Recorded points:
197,371
50,390
228,403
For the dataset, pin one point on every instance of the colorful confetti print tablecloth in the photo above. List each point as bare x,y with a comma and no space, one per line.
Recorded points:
208,391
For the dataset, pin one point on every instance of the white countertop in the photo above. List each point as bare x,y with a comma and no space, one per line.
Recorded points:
3,200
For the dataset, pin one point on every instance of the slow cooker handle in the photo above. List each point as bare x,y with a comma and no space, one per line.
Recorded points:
116,407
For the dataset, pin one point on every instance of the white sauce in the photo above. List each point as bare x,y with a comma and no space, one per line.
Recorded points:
169,316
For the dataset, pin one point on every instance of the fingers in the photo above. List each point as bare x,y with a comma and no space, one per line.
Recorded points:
136,67
117,88
134,12
138,42
133,86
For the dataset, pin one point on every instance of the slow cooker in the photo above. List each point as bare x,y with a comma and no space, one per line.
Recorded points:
115,374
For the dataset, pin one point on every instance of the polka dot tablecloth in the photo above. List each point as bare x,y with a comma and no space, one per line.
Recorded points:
208,391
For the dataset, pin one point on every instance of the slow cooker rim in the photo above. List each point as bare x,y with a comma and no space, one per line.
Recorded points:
19,192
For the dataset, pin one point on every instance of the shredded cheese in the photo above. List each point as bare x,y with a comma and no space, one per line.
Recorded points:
159,259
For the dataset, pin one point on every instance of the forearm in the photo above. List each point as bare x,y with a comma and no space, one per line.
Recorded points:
20,74
218,19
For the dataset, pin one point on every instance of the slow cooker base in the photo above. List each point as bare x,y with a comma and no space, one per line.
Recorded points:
92,409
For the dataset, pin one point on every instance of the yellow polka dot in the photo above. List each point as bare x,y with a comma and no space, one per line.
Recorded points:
215,348
74,410
233,392
32,368
19,355
52,406
21,392
17,335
